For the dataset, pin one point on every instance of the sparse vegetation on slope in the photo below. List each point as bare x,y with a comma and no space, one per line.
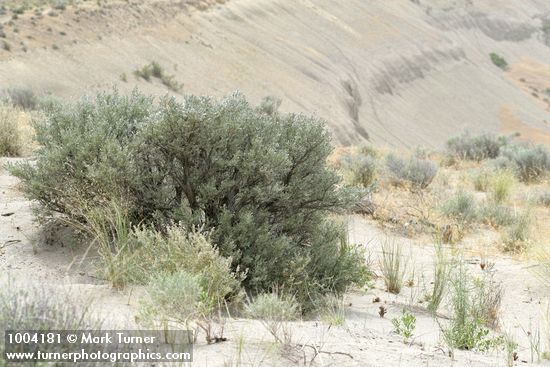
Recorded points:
499,61
156,71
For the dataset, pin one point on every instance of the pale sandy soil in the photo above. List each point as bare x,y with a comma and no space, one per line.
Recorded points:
400,73
28,259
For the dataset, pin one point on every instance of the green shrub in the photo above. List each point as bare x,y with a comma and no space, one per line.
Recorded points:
475,147
468,304
23,98
518,234
404,325
10,135
461,206
418,172
154,69
172,298
499,61
180,299
359,170
257,183
501,186
270,105
482,179
497,215
531,163
136,255
175,249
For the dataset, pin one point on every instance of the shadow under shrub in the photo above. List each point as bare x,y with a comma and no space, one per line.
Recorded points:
257,182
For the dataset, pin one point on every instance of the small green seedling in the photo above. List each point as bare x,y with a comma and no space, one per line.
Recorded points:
405,325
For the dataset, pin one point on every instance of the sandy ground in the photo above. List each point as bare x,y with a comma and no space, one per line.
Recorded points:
29,258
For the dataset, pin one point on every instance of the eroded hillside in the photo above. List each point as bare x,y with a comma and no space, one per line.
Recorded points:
399,73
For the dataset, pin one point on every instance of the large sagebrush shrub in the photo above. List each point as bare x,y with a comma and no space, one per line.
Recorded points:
257,182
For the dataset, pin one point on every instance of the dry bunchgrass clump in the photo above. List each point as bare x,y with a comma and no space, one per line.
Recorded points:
482,179
516,239
442,272
501,185
10,135
274,311
15,132
393,266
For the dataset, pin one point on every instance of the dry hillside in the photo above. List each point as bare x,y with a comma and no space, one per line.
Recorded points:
401,73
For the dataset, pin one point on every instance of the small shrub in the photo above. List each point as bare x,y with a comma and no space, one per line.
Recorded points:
171,83
45,309
180,299
135,255
501,186
23,98
543,198
462,207
499,61
10,135
172,298
530,163
482,179
145,72
359,170
274,310
270,105
467,328
476,147
496,215
154,69
487,298
418,172
517,236
404,325
393,266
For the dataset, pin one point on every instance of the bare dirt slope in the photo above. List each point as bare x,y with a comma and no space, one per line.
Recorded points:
400,72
